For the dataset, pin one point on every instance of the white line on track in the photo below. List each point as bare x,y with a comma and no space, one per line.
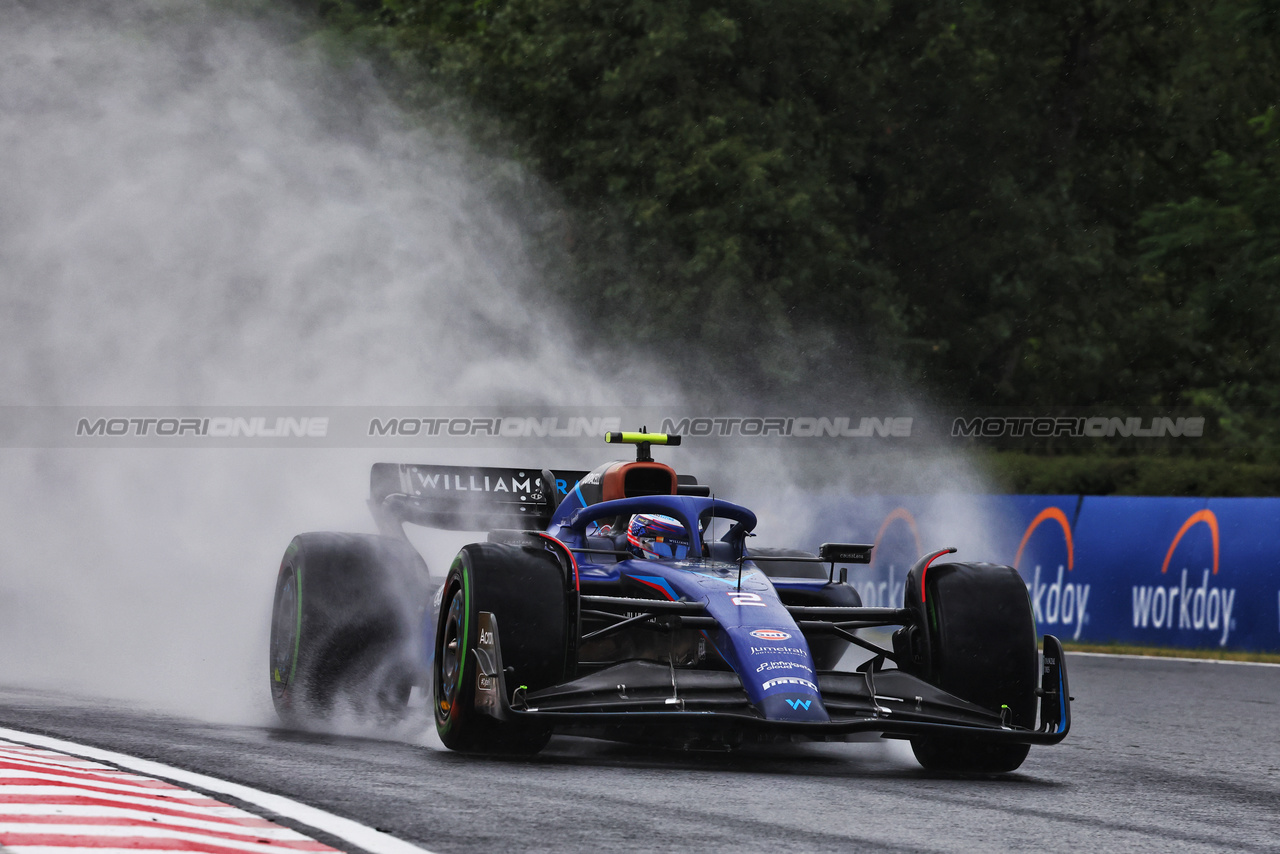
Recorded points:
371,840
1073,654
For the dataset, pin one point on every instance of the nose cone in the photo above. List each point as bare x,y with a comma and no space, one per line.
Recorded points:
794,707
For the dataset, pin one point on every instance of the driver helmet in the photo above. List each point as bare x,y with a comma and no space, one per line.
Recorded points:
657,537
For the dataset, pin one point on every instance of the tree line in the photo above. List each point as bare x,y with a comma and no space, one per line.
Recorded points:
1006,203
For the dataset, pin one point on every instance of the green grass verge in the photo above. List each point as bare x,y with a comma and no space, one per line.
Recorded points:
1165,652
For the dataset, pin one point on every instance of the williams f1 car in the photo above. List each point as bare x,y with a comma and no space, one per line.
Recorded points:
626,603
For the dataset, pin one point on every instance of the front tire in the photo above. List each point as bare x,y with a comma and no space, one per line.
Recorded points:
524,590
980,634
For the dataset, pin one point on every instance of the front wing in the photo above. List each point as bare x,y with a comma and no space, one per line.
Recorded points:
645,696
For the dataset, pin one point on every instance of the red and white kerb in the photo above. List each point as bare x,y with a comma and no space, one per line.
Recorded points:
52,803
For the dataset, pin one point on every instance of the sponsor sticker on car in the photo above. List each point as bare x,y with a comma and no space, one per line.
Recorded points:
783,665
771,634
779,650
781,681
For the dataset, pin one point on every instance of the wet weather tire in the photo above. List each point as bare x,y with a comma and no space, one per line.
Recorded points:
981,647
524,590
346,609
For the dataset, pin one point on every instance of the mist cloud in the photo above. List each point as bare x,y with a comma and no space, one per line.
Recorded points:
198,208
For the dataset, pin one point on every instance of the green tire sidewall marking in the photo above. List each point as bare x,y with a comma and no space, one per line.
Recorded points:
297,624
290,553
465,593
297,627
466,629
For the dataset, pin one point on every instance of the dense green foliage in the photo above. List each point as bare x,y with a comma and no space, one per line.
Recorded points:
1035,474
1220,254
1010,202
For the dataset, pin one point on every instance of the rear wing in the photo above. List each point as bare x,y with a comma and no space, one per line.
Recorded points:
466,498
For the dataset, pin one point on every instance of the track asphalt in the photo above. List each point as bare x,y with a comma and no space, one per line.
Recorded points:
1163,756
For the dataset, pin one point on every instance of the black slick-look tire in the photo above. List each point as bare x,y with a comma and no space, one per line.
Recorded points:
346,609
524,589
980,633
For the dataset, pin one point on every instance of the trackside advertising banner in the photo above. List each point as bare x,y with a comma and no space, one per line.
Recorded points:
1173,572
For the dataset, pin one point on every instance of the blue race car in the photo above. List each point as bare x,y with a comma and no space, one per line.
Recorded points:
626,604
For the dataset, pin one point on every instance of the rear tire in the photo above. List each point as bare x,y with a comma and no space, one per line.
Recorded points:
347,607
524,589
980,634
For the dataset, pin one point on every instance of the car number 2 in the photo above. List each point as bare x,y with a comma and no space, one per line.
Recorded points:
740,598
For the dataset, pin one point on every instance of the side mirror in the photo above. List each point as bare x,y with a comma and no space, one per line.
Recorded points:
845,553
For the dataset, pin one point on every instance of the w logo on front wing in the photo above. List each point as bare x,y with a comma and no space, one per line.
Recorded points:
797,704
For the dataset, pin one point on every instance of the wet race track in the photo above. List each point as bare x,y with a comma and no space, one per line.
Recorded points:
1163,756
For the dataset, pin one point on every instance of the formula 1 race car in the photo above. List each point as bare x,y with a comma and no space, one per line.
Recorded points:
625,604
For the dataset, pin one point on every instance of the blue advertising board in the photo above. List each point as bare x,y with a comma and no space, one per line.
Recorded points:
1182,573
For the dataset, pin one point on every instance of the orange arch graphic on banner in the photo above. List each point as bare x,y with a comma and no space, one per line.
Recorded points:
899,514
1209,519
1058,516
